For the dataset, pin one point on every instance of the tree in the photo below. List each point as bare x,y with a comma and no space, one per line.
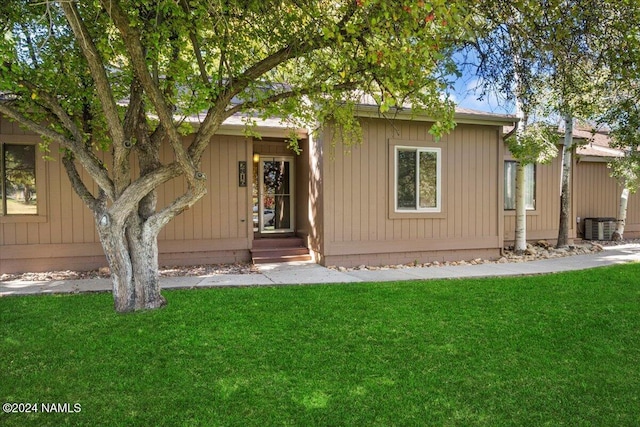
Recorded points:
623,114
509,61
586,34
121,75
624,119
535,144
560,54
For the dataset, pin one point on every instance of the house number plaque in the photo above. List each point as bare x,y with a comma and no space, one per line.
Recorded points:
242,174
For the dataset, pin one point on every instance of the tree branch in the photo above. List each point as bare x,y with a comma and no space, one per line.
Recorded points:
78,185
139,189
196,46
121,176
287,95
179,205
57,109
216,115
133,44
89,162
98,72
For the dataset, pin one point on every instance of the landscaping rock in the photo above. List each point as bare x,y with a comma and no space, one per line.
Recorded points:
543,244
540,250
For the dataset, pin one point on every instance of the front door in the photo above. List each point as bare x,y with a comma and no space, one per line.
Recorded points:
275,196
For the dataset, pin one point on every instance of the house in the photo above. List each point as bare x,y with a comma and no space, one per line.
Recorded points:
594,193
597,195
400,197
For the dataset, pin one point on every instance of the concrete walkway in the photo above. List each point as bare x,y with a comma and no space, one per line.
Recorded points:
307,273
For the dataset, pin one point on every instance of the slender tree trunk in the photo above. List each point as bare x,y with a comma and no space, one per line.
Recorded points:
622,216
132,254
520,244
565,192
521,210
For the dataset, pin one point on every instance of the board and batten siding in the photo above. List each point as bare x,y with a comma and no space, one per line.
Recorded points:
543,221
598,195
218,228
360,222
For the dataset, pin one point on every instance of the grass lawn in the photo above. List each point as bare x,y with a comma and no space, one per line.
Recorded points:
547,350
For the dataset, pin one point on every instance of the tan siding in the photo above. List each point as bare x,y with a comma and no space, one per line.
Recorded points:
363,194
302,189
358,194
63,234
543,222
312,225
223,212
598,195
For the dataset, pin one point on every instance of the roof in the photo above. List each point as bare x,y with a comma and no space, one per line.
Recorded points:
279,127
367,107
593,147
597,146
461,116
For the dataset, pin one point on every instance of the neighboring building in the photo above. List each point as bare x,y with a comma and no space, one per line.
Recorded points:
597,195
400,197
594,193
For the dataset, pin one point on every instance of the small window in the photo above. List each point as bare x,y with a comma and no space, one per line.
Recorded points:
18,180
510,186
417,179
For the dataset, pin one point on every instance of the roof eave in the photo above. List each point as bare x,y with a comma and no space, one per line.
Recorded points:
372,111
595,159
265,131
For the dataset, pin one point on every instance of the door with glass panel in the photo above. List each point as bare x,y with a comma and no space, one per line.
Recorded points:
275,195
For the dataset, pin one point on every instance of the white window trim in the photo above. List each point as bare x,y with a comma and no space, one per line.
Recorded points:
438,151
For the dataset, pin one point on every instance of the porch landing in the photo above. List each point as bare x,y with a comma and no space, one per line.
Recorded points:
279,249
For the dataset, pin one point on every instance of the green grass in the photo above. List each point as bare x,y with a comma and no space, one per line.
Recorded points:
547,350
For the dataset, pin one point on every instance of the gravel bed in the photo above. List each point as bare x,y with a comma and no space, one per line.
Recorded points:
539,250
536,251
170,271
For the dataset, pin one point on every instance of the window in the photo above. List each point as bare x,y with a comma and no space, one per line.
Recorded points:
18,180
417,184
510,186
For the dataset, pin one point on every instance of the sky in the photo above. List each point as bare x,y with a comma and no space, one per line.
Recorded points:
467,93
467,90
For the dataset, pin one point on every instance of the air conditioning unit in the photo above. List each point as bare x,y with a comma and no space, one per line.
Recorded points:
599,228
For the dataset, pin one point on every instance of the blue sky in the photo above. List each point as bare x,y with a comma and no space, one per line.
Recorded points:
467,92
467,89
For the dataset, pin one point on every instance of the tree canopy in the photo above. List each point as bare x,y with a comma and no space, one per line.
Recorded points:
123,75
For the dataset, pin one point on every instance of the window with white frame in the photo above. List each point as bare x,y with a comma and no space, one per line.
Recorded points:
510,186
418,179
18,180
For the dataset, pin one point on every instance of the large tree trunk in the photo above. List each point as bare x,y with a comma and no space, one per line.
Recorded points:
565,192
622,216
132,254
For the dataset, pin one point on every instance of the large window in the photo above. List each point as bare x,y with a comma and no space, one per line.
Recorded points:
417,186
510,186
18,180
